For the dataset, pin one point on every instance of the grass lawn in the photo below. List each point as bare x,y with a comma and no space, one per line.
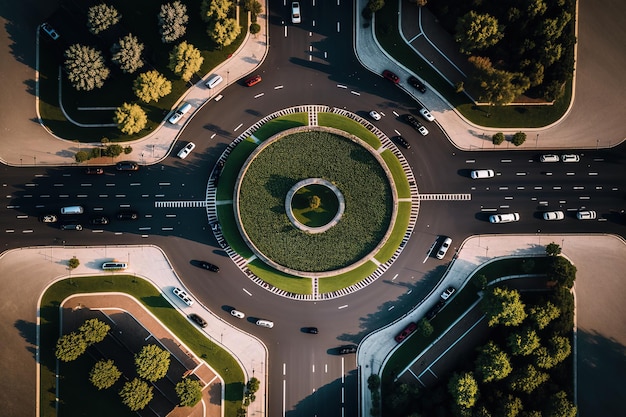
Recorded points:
350,126
231,232
399,228
150,297
279,124
278,279
504,116
318,216
399,177
234,162
345,280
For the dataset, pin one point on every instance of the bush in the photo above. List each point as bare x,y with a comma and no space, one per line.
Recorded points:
73,263
519,138
255,28
497,138
128,149
113,150
81,156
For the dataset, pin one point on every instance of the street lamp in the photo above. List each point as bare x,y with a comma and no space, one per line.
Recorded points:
537,140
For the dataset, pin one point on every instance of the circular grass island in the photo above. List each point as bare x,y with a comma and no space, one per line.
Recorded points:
292,156
314,205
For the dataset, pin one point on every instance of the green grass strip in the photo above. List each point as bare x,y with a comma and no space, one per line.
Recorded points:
348,125
279,124
234,163
399,177
278,279
347,279
399,228
229,229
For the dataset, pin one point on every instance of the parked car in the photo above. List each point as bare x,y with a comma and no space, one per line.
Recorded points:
435,309
482,173
50,31
549,158
374,115
570,158
586,215
199,320
311,330
444,248
71,226
391,76
182,154
100,220
427,115
127,166
410,328
553,215
417,84
48,218
237,313
94,171
403,142
346,349
504,218
447,293
253,80
209,266
127,215
180,293
423,130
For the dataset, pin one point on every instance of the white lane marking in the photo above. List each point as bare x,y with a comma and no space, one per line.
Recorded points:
570,173
397,133
508,197
395,113
503,188
259,95
338,27
97,231
313,368
212,136
598,187
98,209
341,86
81,195
556,187
325,368
584,197
284,369
85,185
103,195
247,292
355,93
579,188
520,173
58,185
394,277
284,395
504,206
145,228
285,31
27,231
342,307
120,195
170,215
135,184
521,187
391,308
470,161
488,209
159,195
593,173
237,128
538,187
543,203
505,160
22,216
167,228
278,87
9,231
30,185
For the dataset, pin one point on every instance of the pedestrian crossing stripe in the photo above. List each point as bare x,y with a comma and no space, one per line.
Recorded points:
444,197
180,204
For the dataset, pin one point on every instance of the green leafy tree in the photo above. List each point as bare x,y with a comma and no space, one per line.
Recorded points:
557,351
497,87
314,202
73,263
476,31
136,394
400,400
172,21
224,32
464,389
527,379
152,362
215,10
94,331
424,328
102,16
373,382
127,53
375,5
560,406
130,118
185,60
542,315
510,406
552,249
562,271
151,86
253,385
104,374
81,156
503,306
113,150
85,67
70,346
536,8
189,392
255,28
519,138
523,341
493,364
497,138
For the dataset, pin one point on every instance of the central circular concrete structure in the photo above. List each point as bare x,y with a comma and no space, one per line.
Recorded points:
314,181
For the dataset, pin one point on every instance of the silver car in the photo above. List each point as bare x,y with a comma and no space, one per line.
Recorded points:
504,218
553,215
444,248
586,215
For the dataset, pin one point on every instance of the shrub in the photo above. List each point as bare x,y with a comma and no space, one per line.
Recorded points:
81,156
73,263
519,138
255,28
497,138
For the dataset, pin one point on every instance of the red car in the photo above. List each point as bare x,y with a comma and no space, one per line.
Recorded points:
406,332
253,80
391,76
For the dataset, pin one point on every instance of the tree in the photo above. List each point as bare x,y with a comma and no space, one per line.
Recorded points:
561,271
519,138
477,31
527,379
557,351
113,150
254,7
185,60
560,406
152,362
127,54
189,392
136,394
215,10
94,331
255,28
552,249
70,346
224,32
523,342
373,382
172,21
542,315
510,406
73,263
498,87
85,67
104,374
424,327
81,156
497,138
130,118
493,363
151,85
503,306
314,202
102,16
253,385
375,5
464,389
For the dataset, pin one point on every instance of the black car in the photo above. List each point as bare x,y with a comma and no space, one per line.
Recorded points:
419,86
94,171
412,121
199,320
100,220
71,226
127,215
209,266
344,350
311,330
436,308
127,166
403,142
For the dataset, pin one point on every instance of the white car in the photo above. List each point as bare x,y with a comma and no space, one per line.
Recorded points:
570,158
182,154
422,130
374,115
295,12
504,218
265,323
426,115
237,313
549,158
482,173
586,215
444,248
48,218
50,31
553,215
183,296
447,293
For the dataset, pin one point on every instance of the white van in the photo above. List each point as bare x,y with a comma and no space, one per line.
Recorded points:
72,210
265,323
214,80
174,118
114,265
